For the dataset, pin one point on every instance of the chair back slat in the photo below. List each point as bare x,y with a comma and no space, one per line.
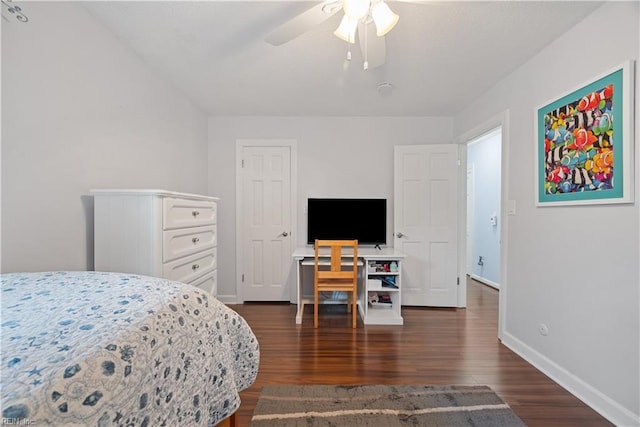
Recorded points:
335,275
336,258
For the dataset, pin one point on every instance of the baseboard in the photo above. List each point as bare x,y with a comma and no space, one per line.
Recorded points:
598,401
228,299
485,281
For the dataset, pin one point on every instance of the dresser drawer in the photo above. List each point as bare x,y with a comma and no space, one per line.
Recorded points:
181,213
208,282
186,241
189,268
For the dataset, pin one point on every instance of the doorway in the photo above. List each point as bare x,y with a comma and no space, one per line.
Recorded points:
500,125
265,218
484,188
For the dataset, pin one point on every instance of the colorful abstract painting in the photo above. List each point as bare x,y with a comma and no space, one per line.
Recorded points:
580,144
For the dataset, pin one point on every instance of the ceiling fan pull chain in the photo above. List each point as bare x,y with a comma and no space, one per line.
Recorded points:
366,38
349,48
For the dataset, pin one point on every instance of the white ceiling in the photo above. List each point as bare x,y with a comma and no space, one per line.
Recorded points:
440,56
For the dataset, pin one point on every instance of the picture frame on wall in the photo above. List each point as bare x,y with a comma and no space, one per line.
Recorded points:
584,143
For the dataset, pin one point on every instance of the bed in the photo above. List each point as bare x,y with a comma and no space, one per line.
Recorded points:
111,349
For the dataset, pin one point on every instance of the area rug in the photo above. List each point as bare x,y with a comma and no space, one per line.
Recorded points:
381,405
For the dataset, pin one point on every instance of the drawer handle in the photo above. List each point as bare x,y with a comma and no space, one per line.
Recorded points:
194,267
195,213
195,240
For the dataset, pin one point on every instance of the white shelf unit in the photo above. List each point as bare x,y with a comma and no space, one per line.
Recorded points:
382,276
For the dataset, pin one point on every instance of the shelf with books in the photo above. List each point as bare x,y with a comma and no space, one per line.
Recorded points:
381,298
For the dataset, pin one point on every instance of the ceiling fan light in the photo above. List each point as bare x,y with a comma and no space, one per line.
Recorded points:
347,29
384,18
356,9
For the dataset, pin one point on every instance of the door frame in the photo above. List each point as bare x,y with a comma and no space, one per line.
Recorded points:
241,144
499,120
470,210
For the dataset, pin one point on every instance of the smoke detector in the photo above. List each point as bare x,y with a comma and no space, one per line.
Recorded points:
385,88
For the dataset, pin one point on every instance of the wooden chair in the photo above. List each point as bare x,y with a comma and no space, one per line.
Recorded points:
339,276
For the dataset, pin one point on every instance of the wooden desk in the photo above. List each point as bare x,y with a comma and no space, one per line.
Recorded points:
304,257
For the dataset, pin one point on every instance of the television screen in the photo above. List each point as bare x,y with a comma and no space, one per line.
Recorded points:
336,219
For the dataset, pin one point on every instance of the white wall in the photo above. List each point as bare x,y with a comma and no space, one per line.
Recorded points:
573,268
80,111
337,156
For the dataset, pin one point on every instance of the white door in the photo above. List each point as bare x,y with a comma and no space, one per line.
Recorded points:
265,256
426,222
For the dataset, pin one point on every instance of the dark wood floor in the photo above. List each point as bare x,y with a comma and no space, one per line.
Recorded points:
435,346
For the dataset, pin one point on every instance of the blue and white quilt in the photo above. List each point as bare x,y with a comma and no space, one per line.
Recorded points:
110,349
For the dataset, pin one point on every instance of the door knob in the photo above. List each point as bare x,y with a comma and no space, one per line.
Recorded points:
400,235
284,234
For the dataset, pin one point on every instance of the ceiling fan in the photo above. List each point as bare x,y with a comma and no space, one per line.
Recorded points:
369,19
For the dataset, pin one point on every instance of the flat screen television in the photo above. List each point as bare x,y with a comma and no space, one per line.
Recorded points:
336,219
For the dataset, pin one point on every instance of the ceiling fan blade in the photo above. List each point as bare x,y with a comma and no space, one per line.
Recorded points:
301,24
373,48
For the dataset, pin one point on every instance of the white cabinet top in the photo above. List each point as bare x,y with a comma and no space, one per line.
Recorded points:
363,252
150,192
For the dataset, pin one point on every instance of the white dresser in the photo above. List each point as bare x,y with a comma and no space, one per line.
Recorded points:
157,233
